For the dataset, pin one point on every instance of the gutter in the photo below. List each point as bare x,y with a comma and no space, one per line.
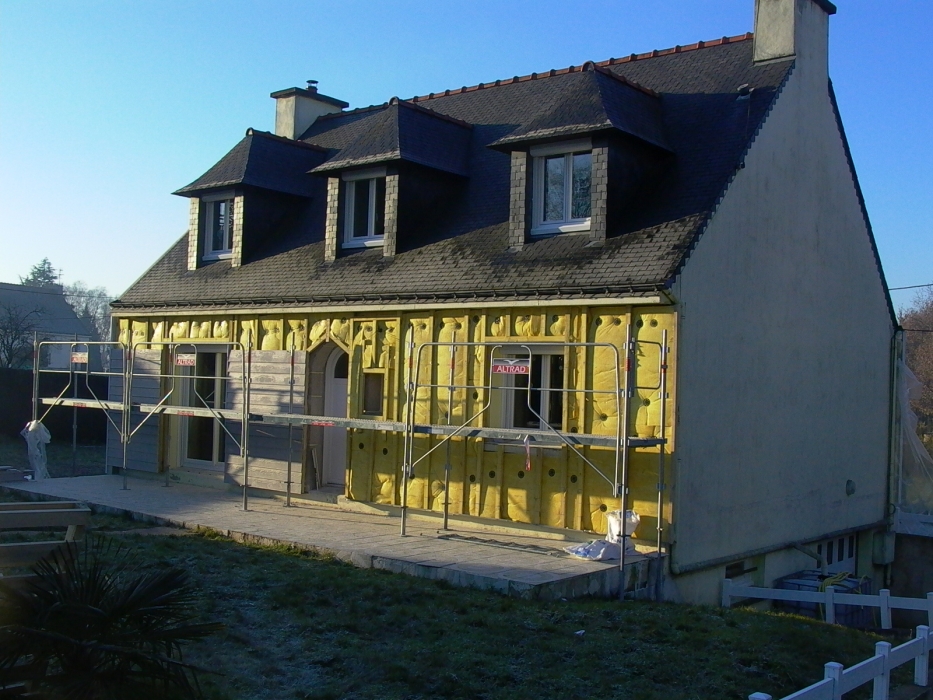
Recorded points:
294,307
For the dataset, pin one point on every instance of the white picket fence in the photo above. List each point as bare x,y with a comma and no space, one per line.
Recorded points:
838,680
829,599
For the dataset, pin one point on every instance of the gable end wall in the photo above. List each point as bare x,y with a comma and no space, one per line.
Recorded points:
784,348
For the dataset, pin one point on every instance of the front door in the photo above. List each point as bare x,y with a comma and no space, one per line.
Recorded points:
335,404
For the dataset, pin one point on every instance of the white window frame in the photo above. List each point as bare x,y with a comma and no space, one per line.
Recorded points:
540,227
510,393
207,223
350,179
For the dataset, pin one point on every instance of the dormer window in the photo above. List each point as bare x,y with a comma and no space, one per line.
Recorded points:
217,226
561,179
364,207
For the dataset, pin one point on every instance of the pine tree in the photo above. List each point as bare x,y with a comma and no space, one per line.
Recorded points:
41,275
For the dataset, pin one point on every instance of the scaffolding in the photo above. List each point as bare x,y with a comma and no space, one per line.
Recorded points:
517,356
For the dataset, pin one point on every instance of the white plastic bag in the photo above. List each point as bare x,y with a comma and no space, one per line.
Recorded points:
614,518
597,550
37,436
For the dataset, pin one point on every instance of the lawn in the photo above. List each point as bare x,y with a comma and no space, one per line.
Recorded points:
302,626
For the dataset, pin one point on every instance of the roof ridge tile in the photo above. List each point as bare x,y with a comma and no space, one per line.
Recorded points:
575,69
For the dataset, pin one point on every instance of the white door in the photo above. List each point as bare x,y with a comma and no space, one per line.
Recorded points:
202,444
335,404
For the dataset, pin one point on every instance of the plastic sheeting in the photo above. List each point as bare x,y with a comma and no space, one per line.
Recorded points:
610,548
37,436
915,493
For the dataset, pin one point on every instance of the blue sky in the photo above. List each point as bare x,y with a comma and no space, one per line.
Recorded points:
108,106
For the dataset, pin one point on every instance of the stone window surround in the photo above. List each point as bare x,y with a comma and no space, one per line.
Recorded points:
197,257
333,225
520,196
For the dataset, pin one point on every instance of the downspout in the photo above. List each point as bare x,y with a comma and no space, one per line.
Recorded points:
894,495
820,559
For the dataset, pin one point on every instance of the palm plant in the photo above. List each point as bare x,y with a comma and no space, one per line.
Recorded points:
94,625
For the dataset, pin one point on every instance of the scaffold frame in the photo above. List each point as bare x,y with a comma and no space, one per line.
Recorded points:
623,390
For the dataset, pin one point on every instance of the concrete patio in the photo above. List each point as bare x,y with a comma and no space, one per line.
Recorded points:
479,554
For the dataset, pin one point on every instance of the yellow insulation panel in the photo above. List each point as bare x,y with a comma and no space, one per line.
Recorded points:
488,479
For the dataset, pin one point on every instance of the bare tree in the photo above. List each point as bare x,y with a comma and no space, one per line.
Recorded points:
17,328
917,321
91,304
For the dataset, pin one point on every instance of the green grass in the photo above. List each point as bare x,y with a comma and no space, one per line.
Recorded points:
299,626
87,460
303,626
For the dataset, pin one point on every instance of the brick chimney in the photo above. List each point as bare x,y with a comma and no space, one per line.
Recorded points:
793,28
297,108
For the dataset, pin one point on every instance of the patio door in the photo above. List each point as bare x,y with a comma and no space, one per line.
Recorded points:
202,443
335,404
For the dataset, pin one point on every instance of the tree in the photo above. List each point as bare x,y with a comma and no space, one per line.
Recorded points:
41,275
95,624
917,321
92,304
17,330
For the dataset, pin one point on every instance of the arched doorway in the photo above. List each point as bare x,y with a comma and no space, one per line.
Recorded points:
336,375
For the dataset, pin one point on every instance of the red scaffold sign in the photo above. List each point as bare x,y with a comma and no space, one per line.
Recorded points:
185,359
79,358
509,365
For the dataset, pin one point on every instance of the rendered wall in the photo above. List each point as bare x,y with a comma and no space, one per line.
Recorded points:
488,479
783,387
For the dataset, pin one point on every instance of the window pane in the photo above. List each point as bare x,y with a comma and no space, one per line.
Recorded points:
523,417
361,208
218,219
372,394
379,214
582,169
205,370
555,409
554,188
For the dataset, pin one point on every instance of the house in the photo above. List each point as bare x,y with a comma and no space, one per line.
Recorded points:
29,313
662,264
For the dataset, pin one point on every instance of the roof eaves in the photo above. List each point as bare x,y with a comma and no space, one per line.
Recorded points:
861,201
491,294
345,164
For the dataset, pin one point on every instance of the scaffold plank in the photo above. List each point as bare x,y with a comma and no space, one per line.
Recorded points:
537,437
84,403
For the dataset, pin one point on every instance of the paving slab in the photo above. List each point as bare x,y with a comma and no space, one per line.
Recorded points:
513,563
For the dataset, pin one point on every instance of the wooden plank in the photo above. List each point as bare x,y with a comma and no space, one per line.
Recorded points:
40,505
27,519
14,554
19,582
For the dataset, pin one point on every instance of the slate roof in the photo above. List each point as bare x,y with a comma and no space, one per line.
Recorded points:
262,160
53,313
405,131
594,100
467,254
